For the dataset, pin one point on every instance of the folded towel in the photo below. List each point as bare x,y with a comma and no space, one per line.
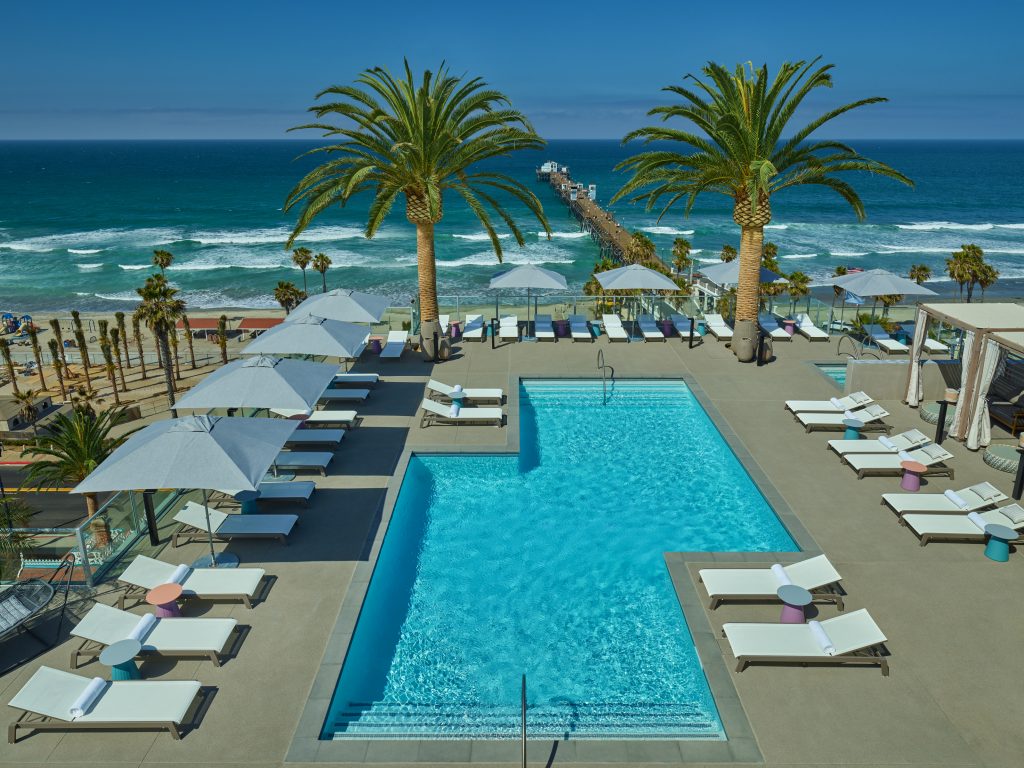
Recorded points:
837,403
821,637
87,697
179,575
904,456
977,519
860,398
1015,514
885,442
956,498
780,575
146,623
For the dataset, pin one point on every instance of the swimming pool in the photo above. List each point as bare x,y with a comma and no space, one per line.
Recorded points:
834,371
550,562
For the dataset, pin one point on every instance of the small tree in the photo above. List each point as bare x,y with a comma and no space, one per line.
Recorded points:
108,366
27,406
770,257
76,319
123,334
37,352
987,276
162,260
640,250
55,327
728,253
301,258
321,263
115,339
188,336
5,351
967,267
55,350
14,514
287,295
222,338
799,286
137,337
839,272
888,301
920,273
681,254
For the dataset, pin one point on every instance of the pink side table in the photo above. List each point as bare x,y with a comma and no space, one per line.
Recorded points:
165,599
789,326
912,471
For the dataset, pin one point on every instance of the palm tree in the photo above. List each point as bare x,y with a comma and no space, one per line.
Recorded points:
287,295
222,338
743,115
76,319
987,276
799,285
122,331
162,260
321,263
5,351
728,253
301,258
55,355
681,254
115,339
108,366
417,141
839,272
159,310
73,446
37,352
137,337
770,257
14,514
920,273
27,406
640,250
188,337
55,327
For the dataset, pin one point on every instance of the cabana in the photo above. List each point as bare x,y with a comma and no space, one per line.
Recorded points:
998,388
979,323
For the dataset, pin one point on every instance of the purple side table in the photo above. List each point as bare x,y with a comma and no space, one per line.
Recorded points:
794,599
912,471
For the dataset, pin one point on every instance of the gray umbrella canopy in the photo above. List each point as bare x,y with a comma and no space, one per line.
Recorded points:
529,276
312,335
728,273
208,452
262,382
635,278
879,282
343,305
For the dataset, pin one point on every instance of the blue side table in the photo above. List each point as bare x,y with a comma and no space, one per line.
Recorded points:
998,546
247,500
120,657
853,428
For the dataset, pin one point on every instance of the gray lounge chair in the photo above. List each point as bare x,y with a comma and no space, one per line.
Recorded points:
436,413
299,461
226,527
579,329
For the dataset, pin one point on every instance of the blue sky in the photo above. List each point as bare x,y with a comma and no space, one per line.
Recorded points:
579,70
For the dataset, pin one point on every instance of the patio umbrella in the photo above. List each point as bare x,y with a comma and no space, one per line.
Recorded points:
634,277
343,305
728,273
528,276
879,282
204,452
262,382
312,335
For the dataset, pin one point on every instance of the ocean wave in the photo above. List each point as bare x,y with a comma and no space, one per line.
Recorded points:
514,259
776,226
103,238
481,236
933,226
709,261
565,235
122,296
801,256
86,267
848,254
133,267
1010,226
192,267
666,231
272,236
85,251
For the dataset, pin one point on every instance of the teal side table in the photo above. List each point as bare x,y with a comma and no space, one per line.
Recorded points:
853,428
120,657
997,547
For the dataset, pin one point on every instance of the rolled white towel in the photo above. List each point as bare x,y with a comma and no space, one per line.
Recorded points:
821,637
977,519
887,443
179,575
87,697
780,575
456,407
956,498
849,415
904,456
146,623
837,403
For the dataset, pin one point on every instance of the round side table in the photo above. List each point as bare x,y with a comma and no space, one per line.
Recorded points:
912,471
853,428
120,657
247,501
998,546
794,600
789,326
165,599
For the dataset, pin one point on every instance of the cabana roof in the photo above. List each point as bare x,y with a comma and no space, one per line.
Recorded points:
978,317
1011,340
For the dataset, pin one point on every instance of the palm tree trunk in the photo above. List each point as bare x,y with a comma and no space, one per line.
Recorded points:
123,331
173,337
92,505
749,286
305,288
323,276
163,345
37,353
138,349
426,268
9,364
188,337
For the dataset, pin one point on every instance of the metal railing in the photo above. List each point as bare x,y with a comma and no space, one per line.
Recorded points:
602,367
523,723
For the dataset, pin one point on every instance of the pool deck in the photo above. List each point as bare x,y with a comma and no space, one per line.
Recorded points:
955,683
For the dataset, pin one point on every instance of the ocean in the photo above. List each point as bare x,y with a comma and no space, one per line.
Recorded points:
79,221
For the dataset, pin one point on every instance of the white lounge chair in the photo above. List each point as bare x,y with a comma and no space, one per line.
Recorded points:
853,638
579,329
958,502
649,329
817,575
332,437
364,379
508,328
544,327
931,346
969,527
144,573
226,527
884,341
323,418
835,405
444,391
770,325
436,413
717,327
806,328
395,345
932,456
104,625
474,328
613,327
47,700
871,415
313,461
344,394
904,441
286,490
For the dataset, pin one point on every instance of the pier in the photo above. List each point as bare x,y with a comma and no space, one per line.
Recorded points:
604,230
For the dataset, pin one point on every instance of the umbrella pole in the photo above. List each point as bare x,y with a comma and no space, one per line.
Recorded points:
209,529
213,560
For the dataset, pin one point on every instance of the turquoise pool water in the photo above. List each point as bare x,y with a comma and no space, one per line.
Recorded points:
550,563
835,371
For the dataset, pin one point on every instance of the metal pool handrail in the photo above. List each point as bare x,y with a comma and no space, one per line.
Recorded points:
601,366
523,701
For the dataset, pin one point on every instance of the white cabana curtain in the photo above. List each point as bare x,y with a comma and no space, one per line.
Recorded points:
960,420
915,385
980,432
